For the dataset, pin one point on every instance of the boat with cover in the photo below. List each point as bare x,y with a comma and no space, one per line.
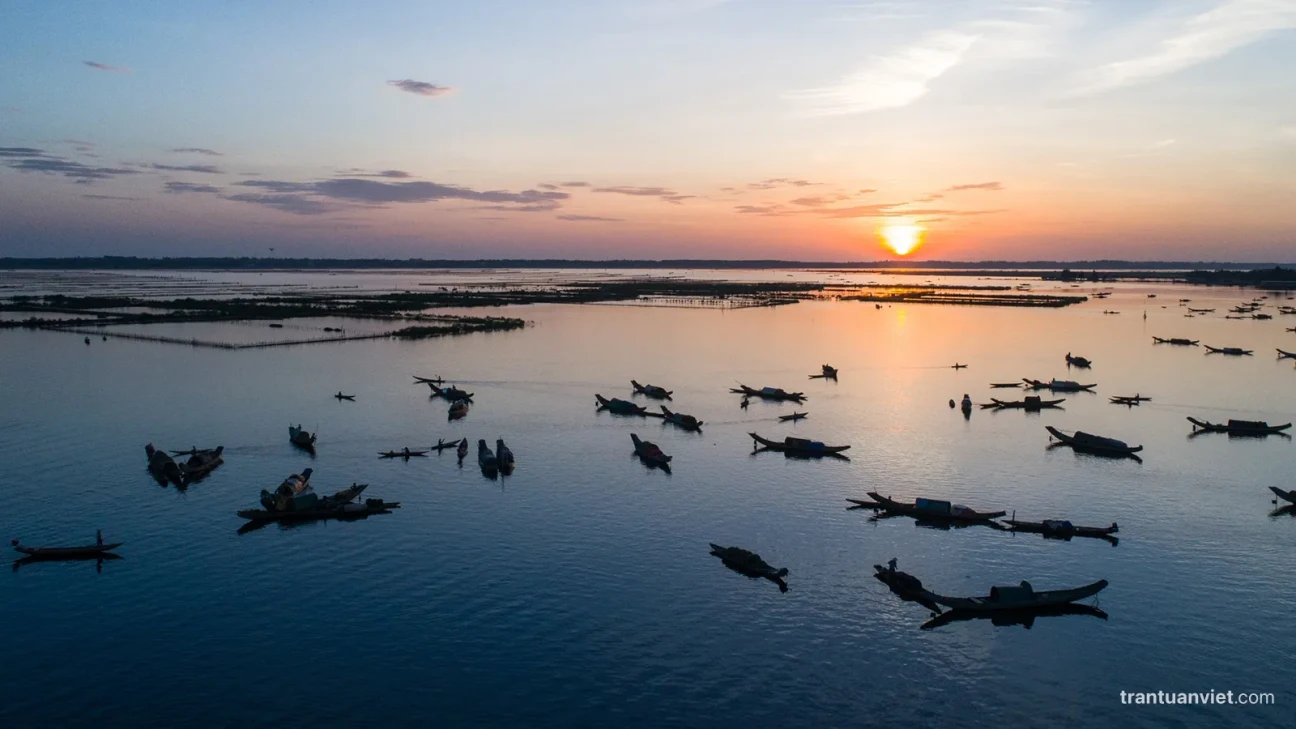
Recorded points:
485,459
1078,361
687,422
1061,529
458,409
55,553
1019,597
827,372
934,509
1031,404
1284,495
450,393
750,564
801,446
1056,385
777,394
1238,427
1235,351
652,391
200,462
301,438
648,452
794,416
618,406
1176,340
1089,443
503,456
162,466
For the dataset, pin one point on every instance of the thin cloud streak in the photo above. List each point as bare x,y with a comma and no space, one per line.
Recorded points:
106,67
988,186
196,150
421,88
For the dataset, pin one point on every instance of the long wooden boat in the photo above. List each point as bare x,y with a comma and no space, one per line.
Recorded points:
340,396
957,366
749,563
1176,340
827,372
442,445
450,393
1200,311
687,422
935,509
906,586
1001,385
1032,403
201,463
300,437
1235,351
1130,400
1019,597
344,511
503,456
792,417
1238,427
407,453
1284,354
1078,361
620,407
648,451
428,380
1284,495
1088,443
485,458
1056,385
769,393
52,553
652,391
1061,528
162,466
1024,617
800,446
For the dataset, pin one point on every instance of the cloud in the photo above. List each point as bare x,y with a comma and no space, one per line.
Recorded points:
421,88
866,191
574,184
929,198
389,174
768,210
30,159
661,193
279,185
106,67
196,150
1229,25
1161,144
294,196
589,219
547,186
818,201
201,169
774,182
990,186
111,197
295,204
190,187
888,82
21,152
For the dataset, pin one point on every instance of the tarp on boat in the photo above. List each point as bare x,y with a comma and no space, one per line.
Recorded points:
933,505
1247,425
1018,593
1096,441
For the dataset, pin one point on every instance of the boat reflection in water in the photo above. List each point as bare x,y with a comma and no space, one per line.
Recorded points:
98,559
1024,617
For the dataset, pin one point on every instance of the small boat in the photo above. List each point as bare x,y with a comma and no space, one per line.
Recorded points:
750,564
485,458
458,409
687,422
827,372
276,326
966,404
1284,495
1001,385
407,454
769,393
1176,340
1261,317
341,511
503,456
1235,351
462,450
799,446
1019,597
620,407
428,380
1062,529
1111,312
450,393
162,466
1031,404
649,452
1056,385
301,438
652,391
55,553
1200,311
1102,294
442,445
340,396
1151,296
1238,427
794,416
1284,354
957,366
905,585
200,463
1128,399
1087,443
934,509
1078,361
345,496
1024,617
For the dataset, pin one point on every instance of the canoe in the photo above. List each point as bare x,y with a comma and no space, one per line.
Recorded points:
1058,385
458,409
935,508
1088,443
620,407
1024,617
1078,361
346,495
906,586
798,445
687,422
793,416
1032,403
162,466
403,454
1129,399
1284,354
1200,311
1284,495
201,463
1235,351
462,450
749,563
340,396
1238,427
503,456
1060,528
88,550
653,391
344,511
862,504
300,437
442,445
1176,340
957,366
648,452
825,372
485,458
427,380
450,393
1019,597
769,393
1005,384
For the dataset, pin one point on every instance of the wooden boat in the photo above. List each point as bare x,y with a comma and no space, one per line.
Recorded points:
485,458
1235,351
1238,427
503,456
863,504
1284,495
934,509
1056,385
462,450
340,396
1087,443
620,407
201,463
652,391
687,422
1078,361
1201,311
1001,385
1291,329
407,453
427,380
342,511
648,452
458,409
1032,404
1262,317
1061,529
301,438
957,366
799,446
906,586
1176,340
827,372
769,393
1019,597
162,466
294,493
344,496
54,553
792,417
1284,354
442,445
1024,617
450,393
1129,400
749,563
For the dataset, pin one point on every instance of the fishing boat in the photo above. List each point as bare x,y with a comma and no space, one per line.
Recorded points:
485,459
301,438
1176,340
503,456
1019,597
653,391
648,452
1024,617
827,372
458,409
428,380
1031,404
799,446
200,463
1056,385
442,445
406,453
957,366
293,494
749,563
769,393
620,407
687,422
1088,443
1235,351
344,496
340,396
906,586
1002,385
1078,361
1200,311
1238,427
794,416
369,507
1129,399
450,393
934,509
1262,317
462,450
1061,529
1284,354
162,466
1284,495
55,553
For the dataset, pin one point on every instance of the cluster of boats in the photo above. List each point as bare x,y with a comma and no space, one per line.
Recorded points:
182,473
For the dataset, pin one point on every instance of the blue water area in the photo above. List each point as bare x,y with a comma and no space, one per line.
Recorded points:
579,590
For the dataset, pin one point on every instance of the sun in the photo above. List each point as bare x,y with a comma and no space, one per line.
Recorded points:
902,238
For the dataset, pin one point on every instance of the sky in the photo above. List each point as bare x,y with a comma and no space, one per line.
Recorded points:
739,129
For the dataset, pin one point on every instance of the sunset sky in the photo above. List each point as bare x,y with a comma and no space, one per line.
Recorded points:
795,129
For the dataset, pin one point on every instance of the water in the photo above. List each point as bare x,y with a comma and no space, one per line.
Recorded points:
579,590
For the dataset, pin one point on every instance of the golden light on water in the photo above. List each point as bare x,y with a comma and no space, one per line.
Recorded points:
902,238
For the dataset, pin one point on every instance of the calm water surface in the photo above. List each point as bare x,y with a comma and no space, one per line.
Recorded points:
579,591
